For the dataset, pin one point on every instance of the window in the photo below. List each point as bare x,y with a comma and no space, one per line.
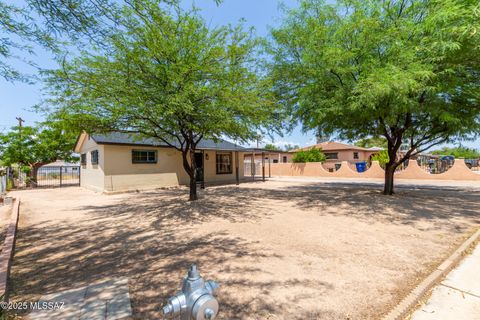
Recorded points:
144,156
224,162
355,155
83,159
284,159
275,160
331,155
94,156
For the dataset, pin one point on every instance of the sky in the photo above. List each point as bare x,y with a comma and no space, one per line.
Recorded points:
18,98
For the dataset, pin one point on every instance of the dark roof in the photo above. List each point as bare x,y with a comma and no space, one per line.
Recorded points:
134,139
260,150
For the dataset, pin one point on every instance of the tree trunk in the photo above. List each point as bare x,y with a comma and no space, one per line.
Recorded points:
193,188
389,176
189,166
32,182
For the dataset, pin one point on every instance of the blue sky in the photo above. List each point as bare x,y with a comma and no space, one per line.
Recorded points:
17,98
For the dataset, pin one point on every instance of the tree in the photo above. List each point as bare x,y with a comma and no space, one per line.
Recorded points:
271,147
36,146
289,147
407,70
168,77
370,142
51,23
458,152
312,155
44,23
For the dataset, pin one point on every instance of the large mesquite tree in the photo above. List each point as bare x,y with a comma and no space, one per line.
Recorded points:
407,70
169,76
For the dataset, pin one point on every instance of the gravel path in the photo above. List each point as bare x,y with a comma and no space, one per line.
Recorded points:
280,249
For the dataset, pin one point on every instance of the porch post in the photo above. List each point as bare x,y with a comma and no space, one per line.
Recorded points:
236,167
202,184
263,166
254,165
269,170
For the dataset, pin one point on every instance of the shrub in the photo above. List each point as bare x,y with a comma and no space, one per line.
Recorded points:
382,158
312,155
9,184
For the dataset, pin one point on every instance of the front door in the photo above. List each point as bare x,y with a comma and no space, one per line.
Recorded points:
199,166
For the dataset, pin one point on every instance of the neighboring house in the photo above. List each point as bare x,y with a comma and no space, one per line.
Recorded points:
122,162
274,156
66,167
336,152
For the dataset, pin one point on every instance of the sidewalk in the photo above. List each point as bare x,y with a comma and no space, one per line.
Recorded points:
458,295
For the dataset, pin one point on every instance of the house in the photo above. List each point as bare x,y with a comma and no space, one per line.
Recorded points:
122,162
263,158
65,167
336,152
274,156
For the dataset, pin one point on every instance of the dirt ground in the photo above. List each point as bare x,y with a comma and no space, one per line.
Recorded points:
4,220
280,249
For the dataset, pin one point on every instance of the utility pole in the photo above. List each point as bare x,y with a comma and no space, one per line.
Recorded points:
20,121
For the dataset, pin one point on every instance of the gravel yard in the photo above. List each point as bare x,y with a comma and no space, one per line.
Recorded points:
280,249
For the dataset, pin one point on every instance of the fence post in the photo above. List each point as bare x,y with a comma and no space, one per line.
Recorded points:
61,173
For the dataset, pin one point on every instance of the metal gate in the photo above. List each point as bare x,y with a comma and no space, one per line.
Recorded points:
58,176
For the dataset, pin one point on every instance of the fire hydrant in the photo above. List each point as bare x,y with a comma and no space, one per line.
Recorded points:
196,301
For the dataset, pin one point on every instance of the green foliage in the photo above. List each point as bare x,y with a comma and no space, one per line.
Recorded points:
458,152
312,155
271,147
405,70
289,147
169,76
33,146
379,142
194,83
9,184
382,158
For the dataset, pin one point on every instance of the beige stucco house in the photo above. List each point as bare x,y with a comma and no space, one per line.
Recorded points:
336,152
123,162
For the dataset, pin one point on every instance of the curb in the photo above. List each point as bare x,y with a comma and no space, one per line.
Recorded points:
8,248
409,302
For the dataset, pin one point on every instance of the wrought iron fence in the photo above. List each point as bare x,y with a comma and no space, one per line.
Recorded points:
57,176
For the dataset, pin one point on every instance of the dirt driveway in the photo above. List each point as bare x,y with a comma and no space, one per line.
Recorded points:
280,250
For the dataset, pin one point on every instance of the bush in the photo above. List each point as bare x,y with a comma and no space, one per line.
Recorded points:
25,169
9,184
312,155
382,158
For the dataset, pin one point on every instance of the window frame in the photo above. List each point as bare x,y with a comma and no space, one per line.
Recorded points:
155,152
331,155
355,155
92,153
83,159
223,153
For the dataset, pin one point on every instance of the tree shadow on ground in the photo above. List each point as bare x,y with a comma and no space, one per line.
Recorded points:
147,237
